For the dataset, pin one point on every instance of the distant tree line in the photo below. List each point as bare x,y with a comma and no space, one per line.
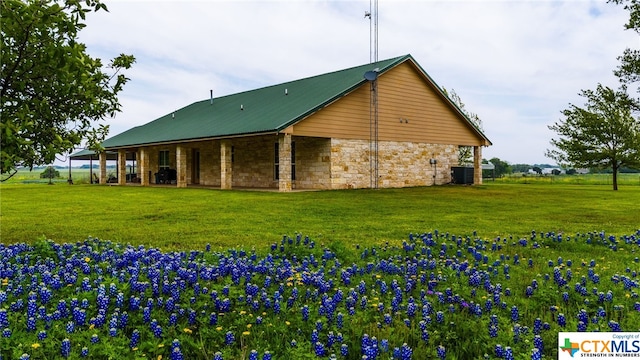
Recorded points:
503,168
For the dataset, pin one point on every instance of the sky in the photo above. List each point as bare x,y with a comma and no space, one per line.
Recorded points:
516,64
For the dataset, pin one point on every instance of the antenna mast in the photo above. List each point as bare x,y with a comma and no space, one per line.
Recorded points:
372,14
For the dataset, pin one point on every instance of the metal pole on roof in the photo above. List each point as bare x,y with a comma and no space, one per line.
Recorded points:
372,14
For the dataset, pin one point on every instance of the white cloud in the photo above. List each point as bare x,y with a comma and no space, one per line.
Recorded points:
516,64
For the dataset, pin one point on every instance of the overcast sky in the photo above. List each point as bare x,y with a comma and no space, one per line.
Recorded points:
517,64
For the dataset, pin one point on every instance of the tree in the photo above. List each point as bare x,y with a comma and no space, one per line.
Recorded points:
49,172
52,93
602,135
464,152
629,70
501,167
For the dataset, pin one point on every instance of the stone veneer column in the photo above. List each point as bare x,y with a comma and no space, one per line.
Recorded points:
103,167
477,165
226,166
284,176
122,167
143,166
181,166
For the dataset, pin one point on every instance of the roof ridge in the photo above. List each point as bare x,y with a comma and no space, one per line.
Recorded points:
396,59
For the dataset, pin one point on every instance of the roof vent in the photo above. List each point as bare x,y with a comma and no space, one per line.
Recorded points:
211,97
286,91
241,107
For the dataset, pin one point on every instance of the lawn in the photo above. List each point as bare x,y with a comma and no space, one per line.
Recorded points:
489,272
172,218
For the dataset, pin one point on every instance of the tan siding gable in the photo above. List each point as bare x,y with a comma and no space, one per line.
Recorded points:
410,109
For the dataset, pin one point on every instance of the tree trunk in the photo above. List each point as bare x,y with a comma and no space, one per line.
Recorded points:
615,175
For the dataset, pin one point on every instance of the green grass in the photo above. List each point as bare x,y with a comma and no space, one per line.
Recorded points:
625,179
172,218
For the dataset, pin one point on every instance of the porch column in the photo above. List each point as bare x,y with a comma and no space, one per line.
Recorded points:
122,167
477,165
143,165
284,175
103,167
181,166
226,166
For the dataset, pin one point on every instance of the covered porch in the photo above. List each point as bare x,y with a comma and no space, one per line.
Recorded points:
273,161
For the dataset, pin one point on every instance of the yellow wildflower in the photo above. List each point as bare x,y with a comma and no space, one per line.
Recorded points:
248,326
35,345
187,330
219,328
159,357
87,259
288,323
245,333
5,281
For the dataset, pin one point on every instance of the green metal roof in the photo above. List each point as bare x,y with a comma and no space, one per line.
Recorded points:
266,110
257,111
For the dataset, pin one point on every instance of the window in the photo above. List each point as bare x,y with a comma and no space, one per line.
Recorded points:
293,160
163,159
276,162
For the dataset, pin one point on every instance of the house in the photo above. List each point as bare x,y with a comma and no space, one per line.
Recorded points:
321,132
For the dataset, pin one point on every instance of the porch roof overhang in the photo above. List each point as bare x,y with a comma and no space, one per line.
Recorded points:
88,155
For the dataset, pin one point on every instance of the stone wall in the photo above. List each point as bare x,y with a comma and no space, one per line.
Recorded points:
400,164
313,163
320,163
253,164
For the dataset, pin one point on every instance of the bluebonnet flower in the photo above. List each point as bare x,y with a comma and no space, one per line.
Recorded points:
405,352
441,352
95,339
176,354
135,338
493,331
253,355
31,324
266,355
614,326
4,318
536,354
319,349
562,321
229,338
344,350
84,352
65,348
508,353
70,327
537,343
515,315
217,356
